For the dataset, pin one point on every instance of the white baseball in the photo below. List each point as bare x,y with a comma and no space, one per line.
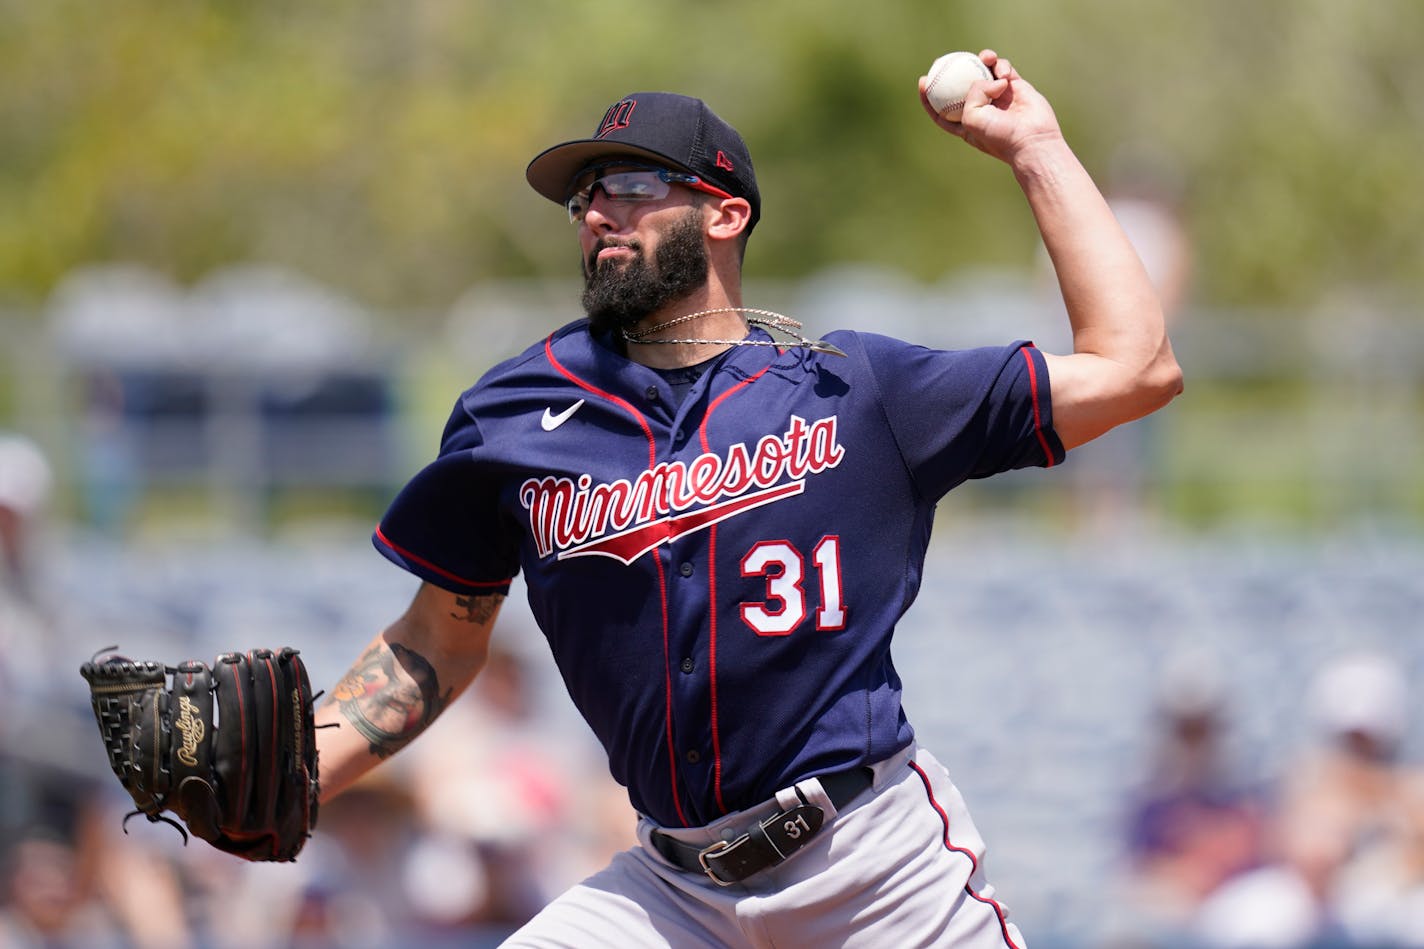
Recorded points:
949,80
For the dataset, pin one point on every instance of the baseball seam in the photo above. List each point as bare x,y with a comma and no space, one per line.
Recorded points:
935,81
948,106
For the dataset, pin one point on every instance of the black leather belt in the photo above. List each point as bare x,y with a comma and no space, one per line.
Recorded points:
769,841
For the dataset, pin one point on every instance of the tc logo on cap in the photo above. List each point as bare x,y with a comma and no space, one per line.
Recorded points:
617,117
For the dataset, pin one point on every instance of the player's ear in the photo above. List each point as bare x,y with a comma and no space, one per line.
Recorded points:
729,217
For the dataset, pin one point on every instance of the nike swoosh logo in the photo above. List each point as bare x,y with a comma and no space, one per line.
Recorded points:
550,421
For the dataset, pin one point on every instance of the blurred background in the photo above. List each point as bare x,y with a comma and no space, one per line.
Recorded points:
250,253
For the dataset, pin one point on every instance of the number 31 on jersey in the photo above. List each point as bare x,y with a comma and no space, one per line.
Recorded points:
783,567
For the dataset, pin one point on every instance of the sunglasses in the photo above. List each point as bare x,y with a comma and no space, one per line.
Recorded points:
639,184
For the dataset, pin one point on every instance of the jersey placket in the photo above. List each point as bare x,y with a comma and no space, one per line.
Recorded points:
688,568
694,608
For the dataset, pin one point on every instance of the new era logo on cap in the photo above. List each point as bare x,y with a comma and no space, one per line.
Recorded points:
673,130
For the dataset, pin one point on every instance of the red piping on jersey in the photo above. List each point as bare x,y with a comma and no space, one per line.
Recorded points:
662,576
667,690
433,568
1037,415
973,861
712,604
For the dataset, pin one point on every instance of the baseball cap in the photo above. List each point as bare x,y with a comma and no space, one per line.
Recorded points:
26,479
678,131
1361,692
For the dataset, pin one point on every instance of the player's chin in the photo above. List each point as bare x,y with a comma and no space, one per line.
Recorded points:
608,304
595,266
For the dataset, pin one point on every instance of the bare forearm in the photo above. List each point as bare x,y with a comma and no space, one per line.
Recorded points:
1111,303
1122,366
401,683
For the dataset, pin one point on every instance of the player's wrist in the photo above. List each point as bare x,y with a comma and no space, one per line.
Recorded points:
1044,161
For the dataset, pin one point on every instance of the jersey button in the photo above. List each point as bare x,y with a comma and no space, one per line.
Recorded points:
687,665
685,569
652,393
693,756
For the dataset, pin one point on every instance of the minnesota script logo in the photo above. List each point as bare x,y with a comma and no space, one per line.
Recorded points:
626,519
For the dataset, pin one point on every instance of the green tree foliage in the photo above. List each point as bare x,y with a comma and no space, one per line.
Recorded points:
380,146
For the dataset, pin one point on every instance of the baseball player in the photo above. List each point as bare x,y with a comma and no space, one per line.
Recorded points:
720,522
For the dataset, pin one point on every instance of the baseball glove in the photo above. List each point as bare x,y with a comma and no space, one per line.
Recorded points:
246,782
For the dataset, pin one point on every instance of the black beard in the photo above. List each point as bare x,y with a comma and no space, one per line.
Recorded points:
619,293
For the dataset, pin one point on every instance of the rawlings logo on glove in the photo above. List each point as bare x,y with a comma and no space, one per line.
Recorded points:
246,782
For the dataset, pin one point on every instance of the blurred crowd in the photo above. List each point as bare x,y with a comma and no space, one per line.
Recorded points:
469,831
1328,853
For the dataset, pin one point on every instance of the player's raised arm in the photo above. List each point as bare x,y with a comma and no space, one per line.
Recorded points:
404,679
1122,366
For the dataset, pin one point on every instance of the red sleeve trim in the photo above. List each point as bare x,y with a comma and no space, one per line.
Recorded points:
1035,396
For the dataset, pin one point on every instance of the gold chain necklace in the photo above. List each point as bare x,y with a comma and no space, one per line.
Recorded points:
767,318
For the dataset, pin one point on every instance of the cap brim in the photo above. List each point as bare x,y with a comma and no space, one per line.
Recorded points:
553,169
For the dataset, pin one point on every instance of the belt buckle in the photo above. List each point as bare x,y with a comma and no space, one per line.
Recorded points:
717,848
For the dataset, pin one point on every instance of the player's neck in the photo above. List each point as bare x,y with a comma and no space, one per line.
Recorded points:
704,324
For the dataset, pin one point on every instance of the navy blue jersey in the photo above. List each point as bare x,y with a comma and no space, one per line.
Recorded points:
719,579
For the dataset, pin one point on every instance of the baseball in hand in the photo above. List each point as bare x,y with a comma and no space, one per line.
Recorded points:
949,79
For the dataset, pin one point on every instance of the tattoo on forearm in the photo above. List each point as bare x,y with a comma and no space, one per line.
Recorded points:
478,609
390,695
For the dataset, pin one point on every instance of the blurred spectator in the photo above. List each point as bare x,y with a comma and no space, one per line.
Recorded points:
26,639
1358,792
1347,841
109,472
68,882
516,808
345,892
48,905
137,878
1146,192
1195,822
25,485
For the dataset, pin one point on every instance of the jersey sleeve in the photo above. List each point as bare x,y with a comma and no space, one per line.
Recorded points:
446,525
964,414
